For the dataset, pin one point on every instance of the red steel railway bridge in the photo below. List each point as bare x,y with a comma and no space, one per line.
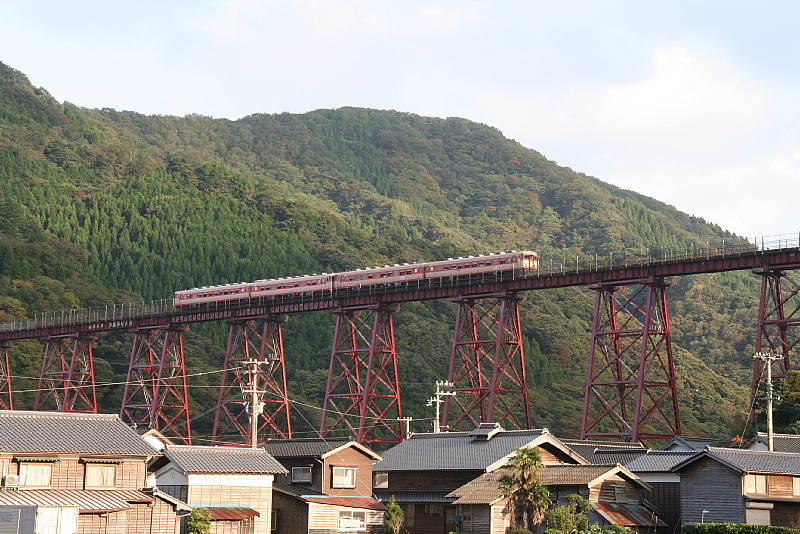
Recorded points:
630,389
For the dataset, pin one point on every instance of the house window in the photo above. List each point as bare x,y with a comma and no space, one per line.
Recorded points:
433,510
621,493
344,477
353,520
35,474
796,486
755,484
408,514
101,476
301,474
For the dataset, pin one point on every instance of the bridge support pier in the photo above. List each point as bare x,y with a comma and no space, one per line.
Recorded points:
6,393
631,393
156,395
67,382
778,324
363,390
254,359
487,364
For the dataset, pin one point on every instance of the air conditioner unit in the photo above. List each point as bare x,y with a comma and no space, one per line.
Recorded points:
11,481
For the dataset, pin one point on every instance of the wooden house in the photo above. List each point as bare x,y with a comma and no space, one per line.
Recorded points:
423,470
615,493
78,472
327,487
721,485
233,484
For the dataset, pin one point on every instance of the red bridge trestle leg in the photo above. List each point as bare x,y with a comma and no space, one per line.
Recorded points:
487,364
778,325
156,395
363,390
67,382
6,393
258,339
631,392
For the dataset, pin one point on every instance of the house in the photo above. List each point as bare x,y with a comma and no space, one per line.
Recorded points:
656,468
327,487
688,443
740,486
79,472
423,470
233,484
780,442
614,492
606,452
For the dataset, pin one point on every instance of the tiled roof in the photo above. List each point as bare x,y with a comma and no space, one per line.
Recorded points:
659,461
688,443
193,459
299,448
85,500
749,461
59,432
780,442
430,497
294,490
605,452
456,450
486,488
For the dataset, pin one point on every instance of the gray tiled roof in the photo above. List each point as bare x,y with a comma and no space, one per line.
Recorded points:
752,461
57,432
605,452
688,443
85,500
295,490
455,450
299,448
780,442
659,461
194,459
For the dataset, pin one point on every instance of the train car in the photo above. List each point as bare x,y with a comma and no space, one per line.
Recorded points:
388,275
204,295
484,263
307,284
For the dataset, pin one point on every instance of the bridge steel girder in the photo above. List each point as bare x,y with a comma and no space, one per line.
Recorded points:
363,389
487,364
6,393
67,381
156,395
258,339
778,325
631,392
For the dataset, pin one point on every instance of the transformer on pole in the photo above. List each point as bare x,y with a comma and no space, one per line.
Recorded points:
67,382
631,392
6,394
156,395
778,325
259,340
363,390
487,364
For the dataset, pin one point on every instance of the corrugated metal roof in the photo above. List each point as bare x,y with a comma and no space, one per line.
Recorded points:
225,513
456,450
63,432
195,459
86,500
628,515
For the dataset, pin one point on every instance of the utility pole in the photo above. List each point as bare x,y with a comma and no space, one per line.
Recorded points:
256,406
437,401
404,422
769,358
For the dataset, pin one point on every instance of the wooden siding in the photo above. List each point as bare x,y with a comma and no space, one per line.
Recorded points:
146,519
112,523
257,498
785,514
501,520
780,485
666,497
349,457
430,480
292,513
316,472
324,519
70,473
709,485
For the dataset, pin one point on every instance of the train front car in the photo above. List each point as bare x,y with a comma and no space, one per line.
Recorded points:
205,295
530,260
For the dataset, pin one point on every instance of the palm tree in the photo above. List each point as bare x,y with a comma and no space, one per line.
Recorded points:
527,499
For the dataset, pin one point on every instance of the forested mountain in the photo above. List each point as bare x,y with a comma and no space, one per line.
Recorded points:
100,206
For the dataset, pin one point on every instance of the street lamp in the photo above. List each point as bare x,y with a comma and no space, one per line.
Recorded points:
703,516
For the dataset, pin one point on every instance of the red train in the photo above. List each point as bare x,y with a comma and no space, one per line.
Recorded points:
394,275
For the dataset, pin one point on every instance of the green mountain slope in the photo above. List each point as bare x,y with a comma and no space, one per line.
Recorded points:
100,206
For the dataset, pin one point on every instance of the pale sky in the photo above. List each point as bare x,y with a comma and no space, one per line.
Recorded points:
694,103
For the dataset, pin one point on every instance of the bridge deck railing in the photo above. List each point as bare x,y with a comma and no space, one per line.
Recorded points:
631,256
